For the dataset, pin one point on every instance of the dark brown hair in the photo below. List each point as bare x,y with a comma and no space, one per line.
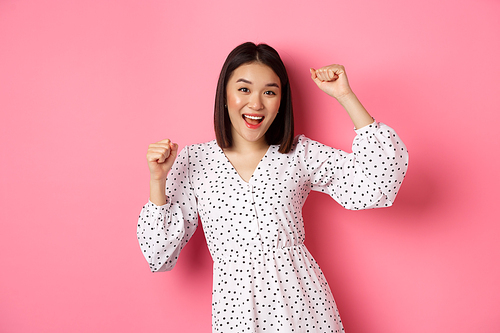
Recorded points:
281,130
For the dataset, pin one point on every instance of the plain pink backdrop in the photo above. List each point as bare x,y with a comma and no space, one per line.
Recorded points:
86,86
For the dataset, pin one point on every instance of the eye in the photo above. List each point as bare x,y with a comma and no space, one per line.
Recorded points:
243,90
269,92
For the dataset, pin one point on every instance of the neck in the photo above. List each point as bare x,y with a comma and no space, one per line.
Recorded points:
243,146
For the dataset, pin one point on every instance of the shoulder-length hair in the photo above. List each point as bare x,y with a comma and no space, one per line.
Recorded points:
281,130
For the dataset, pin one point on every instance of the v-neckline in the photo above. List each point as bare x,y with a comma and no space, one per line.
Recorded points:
236,171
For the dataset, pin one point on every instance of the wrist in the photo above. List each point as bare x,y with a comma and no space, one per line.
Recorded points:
157,192
157,182
346,98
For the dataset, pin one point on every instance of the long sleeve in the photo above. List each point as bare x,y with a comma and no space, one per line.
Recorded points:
162,231
369,177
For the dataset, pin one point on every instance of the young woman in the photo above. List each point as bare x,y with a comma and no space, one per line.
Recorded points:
248,187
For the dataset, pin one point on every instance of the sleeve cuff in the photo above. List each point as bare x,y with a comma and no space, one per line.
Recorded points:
368,129
155,206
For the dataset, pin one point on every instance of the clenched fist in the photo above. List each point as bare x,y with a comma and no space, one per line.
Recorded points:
332,80
161,156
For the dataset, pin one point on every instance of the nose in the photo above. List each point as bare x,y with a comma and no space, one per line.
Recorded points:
255,102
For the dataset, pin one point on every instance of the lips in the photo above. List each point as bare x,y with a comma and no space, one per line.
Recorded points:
253,121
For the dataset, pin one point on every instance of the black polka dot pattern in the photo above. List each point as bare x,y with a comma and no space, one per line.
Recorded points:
265,280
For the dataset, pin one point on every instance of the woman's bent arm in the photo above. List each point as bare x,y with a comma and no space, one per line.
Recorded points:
164,229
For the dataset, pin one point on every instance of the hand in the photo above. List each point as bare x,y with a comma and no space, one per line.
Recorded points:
161,156
332,80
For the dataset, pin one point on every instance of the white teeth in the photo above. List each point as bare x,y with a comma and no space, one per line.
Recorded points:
253,117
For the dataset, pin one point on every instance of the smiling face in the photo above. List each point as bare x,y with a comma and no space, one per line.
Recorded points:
253,95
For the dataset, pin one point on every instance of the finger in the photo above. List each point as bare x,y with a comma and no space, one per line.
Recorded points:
167,141
322,77
314,76
173,150
156,157
323,74
331,75
163,143
174,147
158,154
313,73
156,146
158,149
164,156
338,70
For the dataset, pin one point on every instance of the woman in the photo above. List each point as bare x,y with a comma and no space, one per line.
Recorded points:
249,186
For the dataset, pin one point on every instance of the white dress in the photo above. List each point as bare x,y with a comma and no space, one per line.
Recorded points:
264,278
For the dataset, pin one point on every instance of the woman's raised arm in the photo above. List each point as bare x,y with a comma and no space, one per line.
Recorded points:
332,80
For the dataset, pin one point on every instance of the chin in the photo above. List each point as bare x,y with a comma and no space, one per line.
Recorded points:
253,138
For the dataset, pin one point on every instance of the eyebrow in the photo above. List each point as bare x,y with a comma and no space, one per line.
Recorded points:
249,82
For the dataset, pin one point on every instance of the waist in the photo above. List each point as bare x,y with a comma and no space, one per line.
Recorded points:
250,253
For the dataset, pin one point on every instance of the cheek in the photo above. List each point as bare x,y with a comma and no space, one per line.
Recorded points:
274,106
233,101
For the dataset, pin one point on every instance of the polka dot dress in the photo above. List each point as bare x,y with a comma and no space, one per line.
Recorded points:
265,280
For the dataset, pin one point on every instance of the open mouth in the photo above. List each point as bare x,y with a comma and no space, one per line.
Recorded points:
253,120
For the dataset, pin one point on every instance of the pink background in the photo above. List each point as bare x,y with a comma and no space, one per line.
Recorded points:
86,86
